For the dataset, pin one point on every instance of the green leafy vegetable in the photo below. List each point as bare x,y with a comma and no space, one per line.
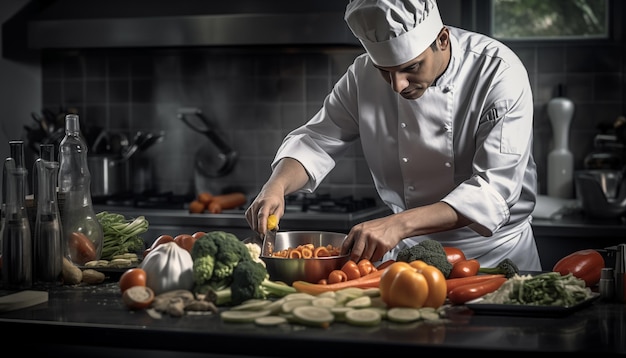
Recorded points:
121,235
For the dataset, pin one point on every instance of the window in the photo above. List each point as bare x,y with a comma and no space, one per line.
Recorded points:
549,19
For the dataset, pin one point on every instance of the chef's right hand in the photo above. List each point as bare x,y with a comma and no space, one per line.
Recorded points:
270,200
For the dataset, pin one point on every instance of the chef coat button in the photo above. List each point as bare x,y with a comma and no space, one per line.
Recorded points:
448,164
405,160
447,89
403,125
411,188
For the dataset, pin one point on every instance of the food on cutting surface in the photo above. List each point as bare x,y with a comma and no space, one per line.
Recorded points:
456,282
72,275
429,251
168,267
371,280
464,293
544,289
132,277
453,254
138,297
506,267
307,251
197,207
118,261
584,264
250,280
92,277
416,284
353,306
121,235
464,268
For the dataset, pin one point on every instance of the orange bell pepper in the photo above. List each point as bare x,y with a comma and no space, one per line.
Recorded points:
414,284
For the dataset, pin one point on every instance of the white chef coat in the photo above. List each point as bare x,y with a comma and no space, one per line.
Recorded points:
467,141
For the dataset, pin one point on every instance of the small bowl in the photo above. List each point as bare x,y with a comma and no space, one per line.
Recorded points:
311,269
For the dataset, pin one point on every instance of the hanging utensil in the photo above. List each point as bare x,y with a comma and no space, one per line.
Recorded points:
217,159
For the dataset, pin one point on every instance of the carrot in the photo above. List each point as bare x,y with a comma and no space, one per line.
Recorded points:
367,281
226,201
453,283
471,291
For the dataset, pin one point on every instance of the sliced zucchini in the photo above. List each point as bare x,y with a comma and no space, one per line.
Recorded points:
360,302
289,305
403,314
324,302
313,316
363,317
242,316
270,320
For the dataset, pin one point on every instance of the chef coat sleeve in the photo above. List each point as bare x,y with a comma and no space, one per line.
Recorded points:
503,158
326,136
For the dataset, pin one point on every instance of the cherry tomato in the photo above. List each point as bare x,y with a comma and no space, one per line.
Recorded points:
132,277
351,269
464,268
366,267
198,234
185,241
82,250
336,276
453,254
159,240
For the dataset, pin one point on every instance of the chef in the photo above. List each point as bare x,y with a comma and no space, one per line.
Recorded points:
445,120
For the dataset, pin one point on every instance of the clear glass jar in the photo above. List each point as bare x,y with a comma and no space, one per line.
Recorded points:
81,229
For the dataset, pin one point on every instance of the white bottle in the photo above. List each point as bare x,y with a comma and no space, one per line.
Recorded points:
560,159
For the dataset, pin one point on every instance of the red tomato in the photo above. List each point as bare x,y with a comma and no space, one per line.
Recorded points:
185,241
159,240
82,250
453,254
132,277
464,268
198,234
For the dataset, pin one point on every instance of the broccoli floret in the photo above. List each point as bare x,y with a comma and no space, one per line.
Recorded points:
429,251
203,246
250,280
203,268
226,252
506,267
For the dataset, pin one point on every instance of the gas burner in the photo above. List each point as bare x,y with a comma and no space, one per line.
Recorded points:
326,204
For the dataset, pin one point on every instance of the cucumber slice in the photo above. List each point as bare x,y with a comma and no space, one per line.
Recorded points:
360,302
243,316
430,315
313,316
289,305
326,302
298,296
270,320
340,312
363,317
403,314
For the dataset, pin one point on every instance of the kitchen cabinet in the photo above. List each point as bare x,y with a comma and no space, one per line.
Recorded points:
557,238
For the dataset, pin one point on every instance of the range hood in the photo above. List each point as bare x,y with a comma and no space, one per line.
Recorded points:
80,24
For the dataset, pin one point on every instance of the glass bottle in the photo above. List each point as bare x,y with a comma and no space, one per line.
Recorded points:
16,147
17,264
48,240
81,229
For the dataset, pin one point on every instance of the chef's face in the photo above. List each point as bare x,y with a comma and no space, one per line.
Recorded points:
411,79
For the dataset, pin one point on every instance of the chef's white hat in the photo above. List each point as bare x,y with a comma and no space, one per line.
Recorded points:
394,31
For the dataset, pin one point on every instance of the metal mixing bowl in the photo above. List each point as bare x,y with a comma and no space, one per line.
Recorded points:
310,270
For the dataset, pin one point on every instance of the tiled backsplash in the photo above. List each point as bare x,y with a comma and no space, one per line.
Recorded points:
254,97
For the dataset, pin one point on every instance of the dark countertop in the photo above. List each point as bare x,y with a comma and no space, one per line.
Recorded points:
92,321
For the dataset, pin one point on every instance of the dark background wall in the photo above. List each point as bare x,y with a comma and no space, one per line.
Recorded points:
255,96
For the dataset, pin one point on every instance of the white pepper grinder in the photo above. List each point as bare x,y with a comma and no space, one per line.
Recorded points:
560,159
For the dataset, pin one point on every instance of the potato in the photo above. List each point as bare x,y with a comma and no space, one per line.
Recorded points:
72,275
